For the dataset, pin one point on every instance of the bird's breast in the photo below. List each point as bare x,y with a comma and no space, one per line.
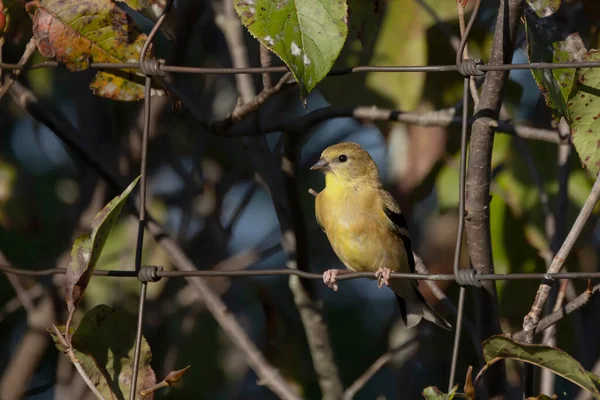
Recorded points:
359,235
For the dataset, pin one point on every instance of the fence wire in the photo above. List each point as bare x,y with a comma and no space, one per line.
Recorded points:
464,277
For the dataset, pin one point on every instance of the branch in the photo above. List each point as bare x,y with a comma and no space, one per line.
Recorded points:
532,319
65,131
555,237
478,182
558,315
385,358
299,126
29,352
29,50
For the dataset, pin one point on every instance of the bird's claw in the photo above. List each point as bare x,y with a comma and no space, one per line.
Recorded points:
330,279
383,277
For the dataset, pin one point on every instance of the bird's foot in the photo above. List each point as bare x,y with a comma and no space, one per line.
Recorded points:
330,278
383,277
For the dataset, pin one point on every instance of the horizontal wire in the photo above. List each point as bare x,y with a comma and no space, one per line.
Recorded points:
260,70
308,275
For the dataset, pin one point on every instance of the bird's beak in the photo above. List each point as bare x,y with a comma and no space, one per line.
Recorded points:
322,165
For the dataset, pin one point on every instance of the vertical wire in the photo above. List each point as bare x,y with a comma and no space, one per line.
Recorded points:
461,228
142,207
140,238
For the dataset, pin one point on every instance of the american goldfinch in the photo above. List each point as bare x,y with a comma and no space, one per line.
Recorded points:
366,228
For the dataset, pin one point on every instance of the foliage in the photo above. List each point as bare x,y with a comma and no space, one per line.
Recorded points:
310,37
80,33
557,361
87,248
307,35
104,344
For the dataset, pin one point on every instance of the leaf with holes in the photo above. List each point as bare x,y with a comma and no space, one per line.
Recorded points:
87,248
550,40
307,35
555,360
78,33
104,344
433,393
544,8
584,116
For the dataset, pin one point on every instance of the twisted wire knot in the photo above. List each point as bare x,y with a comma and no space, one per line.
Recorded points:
470,67
467,277
152,67
149,273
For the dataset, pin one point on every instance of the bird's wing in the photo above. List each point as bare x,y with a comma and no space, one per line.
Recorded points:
399,226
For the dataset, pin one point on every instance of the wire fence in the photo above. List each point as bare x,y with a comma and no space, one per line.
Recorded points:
464,277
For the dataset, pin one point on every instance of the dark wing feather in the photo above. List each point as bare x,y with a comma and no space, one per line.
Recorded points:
400,228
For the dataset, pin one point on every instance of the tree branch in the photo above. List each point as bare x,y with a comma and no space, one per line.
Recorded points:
478,183
532,319
558,315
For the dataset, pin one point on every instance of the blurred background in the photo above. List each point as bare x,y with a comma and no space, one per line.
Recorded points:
204,191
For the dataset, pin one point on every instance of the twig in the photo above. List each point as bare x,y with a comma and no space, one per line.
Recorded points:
421,268
65,131
21,292
385,358
71,354
555,237
300,125
555,317
14,304
265,61
478,183
28,353
29,50
531,320
171,378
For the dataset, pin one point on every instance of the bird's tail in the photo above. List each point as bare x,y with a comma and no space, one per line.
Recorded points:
414,310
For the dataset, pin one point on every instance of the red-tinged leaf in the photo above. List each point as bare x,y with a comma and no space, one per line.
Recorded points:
87,248
78,33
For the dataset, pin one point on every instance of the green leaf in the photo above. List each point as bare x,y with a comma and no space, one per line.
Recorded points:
433,393
543,397
557,361
584,113
307,35
87,248
104,344
550,40
78,33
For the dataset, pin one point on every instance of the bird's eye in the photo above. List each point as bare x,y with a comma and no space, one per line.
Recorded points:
343,158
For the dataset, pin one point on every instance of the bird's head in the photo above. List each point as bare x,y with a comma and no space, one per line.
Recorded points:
348,162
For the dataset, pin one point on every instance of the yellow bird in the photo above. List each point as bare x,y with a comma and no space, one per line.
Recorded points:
366,228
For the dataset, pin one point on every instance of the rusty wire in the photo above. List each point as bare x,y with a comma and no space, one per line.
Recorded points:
145,273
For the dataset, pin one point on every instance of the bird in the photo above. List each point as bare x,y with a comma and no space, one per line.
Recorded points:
366,228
